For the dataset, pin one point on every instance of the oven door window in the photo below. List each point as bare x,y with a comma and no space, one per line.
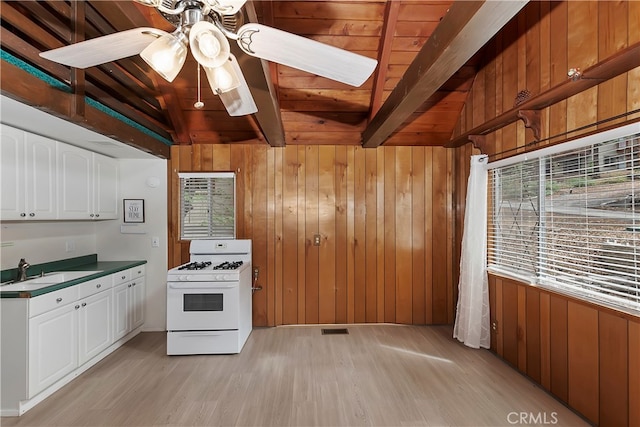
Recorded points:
203,302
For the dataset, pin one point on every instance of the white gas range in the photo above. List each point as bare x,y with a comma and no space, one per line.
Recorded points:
209,299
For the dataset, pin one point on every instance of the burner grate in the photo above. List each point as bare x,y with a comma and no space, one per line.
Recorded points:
195,265
227,265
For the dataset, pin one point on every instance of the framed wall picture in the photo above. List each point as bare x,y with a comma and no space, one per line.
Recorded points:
133,210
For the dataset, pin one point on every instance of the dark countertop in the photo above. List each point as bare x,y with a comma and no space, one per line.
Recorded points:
106,268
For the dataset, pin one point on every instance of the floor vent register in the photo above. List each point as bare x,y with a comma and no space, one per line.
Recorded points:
335,331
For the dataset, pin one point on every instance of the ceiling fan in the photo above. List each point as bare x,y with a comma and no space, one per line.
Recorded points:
205,26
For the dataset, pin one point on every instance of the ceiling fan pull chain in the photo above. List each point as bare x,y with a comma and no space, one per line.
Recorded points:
198,104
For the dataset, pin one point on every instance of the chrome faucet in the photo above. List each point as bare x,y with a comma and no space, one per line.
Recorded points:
22,270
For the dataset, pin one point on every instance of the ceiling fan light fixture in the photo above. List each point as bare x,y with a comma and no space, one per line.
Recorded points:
166,55
209,46
223,78
239,101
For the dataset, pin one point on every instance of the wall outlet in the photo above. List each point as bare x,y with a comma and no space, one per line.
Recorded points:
316,239
155,242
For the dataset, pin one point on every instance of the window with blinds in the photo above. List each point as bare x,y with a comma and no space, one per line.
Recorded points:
571,220
207,206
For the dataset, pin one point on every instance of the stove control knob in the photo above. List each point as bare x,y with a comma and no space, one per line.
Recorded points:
184,278
220,277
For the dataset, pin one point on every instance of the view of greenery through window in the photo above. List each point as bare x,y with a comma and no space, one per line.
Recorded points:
572,220
207,205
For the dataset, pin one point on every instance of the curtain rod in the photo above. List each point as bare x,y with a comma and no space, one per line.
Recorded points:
499,156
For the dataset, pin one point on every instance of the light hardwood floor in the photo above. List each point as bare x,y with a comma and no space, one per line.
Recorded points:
378,375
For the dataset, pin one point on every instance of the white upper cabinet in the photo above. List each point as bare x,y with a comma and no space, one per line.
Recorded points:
28,170
105,187
43,179
87,184
75,182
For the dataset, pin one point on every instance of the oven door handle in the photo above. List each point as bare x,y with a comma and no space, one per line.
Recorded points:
199,286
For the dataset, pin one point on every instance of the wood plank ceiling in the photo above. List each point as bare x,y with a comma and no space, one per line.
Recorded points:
313,110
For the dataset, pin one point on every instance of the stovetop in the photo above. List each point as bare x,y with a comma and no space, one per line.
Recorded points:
208,265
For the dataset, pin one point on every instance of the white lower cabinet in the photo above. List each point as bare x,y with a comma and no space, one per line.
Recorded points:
49,339
53,347
62,339
128,306
94,326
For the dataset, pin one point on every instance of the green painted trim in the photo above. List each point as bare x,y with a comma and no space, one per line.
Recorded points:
113,113
6,56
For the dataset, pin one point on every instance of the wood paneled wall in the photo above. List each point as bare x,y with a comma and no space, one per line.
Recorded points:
384,217
535,51
587,356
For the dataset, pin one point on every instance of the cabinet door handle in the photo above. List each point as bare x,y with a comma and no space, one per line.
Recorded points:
97,215
58,299
84,304
98,286
133,284
77,307
22,214
91,215
123,277
129,285
32,214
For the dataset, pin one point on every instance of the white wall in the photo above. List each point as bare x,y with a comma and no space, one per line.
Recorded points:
40,242
142,179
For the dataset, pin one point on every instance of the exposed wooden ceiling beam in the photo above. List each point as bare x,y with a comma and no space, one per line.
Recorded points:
258,75
464,30
386,45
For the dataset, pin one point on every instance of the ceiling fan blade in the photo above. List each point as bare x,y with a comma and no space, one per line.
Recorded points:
227,7
238,101
150,3
104,49
305,54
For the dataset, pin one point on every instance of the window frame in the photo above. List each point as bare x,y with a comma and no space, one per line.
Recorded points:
599,293
210,176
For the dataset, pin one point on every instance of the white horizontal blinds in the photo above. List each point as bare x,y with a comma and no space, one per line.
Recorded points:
592,221
571,219
207,205
514,219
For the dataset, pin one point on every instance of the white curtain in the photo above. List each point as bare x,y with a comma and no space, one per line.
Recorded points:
472,318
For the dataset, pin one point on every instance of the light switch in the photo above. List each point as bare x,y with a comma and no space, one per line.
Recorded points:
155,242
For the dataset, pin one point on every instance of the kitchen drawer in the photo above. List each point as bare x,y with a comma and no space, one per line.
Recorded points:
121,277
137,271
94,286
46,302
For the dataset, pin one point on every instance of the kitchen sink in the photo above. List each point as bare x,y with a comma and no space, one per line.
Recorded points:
24,286
60,276
47,280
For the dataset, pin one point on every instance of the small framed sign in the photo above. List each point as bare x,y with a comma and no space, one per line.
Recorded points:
133,210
